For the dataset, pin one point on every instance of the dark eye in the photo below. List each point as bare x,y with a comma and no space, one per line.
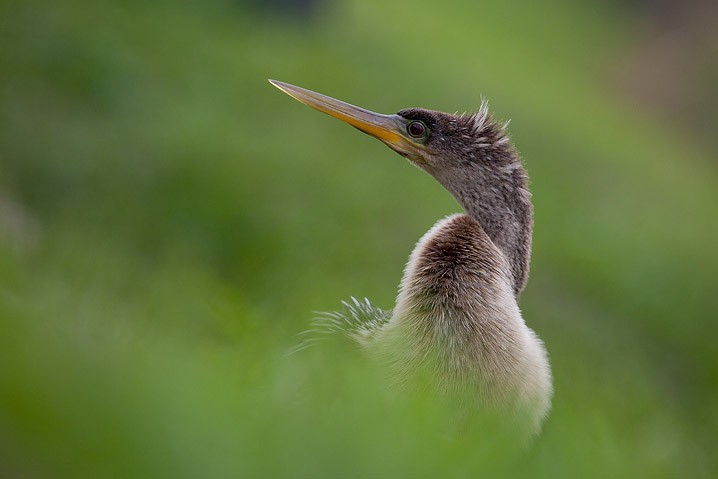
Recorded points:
416,129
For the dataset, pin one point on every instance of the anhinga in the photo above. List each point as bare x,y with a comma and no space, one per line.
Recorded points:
456,316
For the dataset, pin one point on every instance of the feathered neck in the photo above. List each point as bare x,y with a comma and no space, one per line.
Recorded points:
491,185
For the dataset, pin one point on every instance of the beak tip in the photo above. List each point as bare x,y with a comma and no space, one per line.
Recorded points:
277,83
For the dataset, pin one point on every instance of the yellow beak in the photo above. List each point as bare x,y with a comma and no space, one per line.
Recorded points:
391,129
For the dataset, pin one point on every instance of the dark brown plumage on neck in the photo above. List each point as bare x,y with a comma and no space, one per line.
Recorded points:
472,157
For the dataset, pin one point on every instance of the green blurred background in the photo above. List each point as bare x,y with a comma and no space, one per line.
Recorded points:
169,221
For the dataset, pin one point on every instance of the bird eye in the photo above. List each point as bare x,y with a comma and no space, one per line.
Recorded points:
416,129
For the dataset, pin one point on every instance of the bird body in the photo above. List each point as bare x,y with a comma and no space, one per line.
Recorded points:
456,320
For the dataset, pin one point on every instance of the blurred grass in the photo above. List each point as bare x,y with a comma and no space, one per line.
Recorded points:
169,221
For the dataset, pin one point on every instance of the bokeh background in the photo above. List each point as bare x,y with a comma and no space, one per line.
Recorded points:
169,221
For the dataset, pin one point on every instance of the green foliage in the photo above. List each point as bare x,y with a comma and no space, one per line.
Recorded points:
169,221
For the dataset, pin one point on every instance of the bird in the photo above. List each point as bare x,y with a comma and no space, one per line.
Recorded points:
456,321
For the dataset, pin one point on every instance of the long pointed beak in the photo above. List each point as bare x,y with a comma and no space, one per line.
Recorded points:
390,129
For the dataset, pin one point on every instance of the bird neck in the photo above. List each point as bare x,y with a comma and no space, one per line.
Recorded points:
499,200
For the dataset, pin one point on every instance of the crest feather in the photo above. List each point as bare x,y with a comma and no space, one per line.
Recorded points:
484,128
